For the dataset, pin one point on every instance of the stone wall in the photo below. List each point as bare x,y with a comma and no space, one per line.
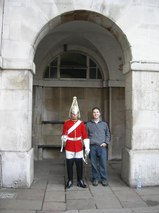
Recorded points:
141,149
15,128
118,131
132,32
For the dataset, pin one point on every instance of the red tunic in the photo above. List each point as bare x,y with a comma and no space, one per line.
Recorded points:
80,131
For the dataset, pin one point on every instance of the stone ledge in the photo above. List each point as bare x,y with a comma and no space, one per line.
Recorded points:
17,64
141,66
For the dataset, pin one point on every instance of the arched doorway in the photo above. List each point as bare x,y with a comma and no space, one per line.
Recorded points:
75,74
53,96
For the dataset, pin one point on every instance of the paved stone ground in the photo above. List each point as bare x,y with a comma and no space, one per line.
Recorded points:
48,195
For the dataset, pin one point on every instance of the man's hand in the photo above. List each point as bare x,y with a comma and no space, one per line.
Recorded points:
103,145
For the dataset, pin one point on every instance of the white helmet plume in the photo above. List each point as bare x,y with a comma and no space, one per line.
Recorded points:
74,107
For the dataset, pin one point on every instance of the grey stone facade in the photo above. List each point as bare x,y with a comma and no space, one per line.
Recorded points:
122,37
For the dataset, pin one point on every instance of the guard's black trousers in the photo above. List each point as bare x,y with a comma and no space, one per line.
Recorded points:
79,168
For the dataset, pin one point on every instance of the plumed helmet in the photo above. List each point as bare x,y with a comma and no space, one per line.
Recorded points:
74,107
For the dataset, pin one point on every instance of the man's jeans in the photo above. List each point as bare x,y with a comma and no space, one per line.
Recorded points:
98,161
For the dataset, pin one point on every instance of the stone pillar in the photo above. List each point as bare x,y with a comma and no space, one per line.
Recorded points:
141,151
17,162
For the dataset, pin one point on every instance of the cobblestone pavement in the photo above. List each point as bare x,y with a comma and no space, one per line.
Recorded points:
48,195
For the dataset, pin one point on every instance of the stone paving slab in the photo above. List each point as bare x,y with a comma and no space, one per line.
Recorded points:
55,206
100,190
55,187
146,210
136,210
107,211
58,211
56,180
8,195
151,200
39,183
107,202
124,210
20,204
30,194
16,211
148,191
127,195
80,204
104,197
55,196
75,195
131,204
115,182
7,190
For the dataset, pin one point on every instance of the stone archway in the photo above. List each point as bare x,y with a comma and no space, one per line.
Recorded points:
139,131
68,29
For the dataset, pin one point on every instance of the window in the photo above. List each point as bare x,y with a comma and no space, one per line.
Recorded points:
94,72
51,70
72,65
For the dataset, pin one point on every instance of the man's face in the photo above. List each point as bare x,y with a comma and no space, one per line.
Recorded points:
74,116
96,114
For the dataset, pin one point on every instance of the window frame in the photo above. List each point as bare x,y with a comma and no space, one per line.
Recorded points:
87,68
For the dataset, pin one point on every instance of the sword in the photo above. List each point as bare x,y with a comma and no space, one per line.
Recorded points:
85,158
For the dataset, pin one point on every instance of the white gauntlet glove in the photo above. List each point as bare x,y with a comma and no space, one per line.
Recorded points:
87,145
64,138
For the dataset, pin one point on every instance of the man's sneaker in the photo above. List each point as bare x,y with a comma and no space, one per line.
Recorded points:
104,183
95,182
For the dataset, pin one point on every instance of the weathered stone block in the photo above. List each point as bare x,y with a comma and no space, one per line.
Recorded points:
17,169
143,162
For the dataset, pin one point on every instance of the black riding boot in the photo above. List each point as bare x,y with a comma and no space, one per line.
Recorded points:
79,168
69,163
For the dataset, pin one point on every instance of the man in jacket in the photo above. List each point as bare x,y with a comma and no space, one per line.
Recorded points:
74,132
99,135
